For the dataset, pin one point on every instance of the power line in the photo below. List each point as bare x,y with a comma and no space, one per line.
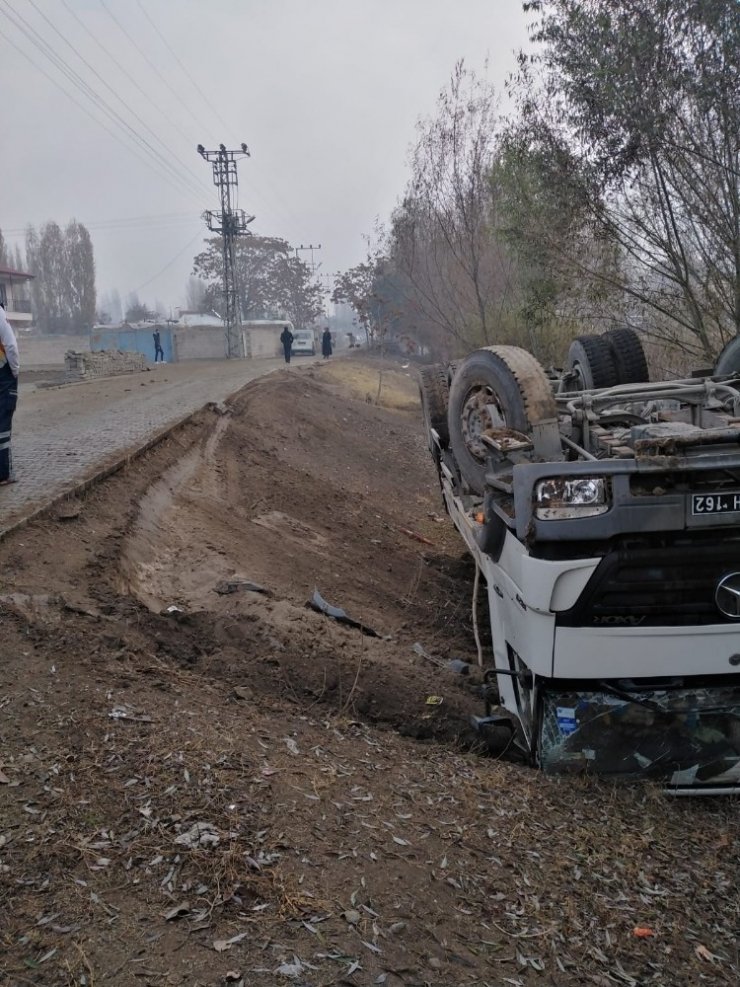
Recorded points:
48,51
154,158
19,22
132,79
169,263
55,82
187,173
146,58
174,54
177,169
274,204
125,223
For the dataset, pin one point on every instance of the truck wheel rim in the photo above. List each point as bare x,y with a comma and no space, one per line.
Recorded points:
480,411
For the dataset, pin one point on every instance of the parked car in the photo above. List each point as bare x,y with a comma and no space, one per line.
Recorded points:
304,343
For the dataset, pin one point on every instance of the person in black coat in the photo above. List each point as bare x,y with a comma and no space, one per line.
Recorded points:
286,338
9,367
326,348
158,351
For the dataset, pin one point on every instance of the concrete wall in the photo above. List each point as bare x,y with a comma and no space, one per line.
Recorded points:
109,363
204,343
265,342
48,351
209,343
188,343
130,340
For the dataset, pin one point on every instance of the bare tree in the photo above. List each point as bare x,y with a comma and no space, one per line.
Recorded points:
270,282
635,105
356,286
79,274
444,239
64,269
196,296
295,290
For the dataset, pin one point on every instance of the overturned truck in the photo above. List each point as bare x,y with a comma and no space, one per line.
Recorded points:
603,515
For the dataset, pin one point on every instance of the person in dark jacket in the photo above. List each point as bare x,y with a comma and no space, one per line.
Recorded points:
326,348
9,366
158,351
286,338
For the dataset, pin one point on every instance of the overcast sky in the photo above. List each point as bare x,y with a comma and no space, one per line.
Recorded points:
326,93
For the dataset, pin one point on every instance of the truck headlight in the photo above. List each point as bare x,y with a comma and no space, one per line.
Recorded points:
560,497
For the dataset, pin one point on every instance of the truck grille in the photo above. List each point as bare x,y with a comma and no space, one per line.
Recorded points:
669,582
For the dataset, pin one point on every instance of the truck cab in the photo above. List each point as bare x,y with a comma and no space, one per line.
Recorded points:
603,514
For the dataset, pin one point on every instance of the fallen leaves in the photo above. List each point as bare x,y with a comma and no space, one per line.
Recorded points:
704,954
290,970
221,945
200,834
177,912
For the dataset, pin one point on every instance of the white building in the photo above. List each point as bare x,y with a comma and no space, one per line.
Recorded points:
16,297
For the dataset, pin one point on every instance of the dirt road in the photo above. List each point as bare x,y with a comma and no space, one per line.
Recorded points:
204,782
63,434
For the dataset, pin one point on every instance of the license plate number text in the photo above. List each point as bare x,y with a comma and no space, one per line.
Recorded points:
716,503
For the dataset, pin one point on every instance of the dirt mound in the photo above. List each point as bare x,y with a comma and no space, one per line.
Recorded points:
292,492
202,781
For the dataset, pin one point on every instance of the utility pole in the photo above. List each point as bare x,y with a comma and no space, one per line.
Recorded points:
230,223
326,281
311,247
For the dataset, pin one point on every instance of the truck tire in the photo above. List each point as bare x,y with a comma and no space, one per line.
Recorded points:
728,362
593,360
495,387
629,356
434,392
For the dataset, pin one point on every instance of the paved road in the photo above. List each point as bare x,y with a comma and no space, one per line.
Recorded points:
64,435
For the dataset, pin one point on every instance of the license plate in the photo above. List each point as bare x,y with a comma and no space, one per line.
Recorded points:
715,503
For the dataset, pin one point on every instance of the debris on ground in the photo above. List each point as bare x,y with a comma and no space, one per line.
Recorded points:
236,585
318,603
416,536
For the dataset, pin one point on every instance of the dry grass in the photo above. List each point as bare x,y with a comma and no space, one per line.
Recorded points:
359,379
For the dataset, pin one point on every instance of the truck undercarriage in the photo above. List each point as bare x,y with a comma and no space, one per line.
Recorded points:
602,512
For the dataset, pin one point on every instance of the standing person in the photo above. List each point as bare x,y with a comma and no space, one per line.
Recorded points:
9,367
286,338
326,348
158,351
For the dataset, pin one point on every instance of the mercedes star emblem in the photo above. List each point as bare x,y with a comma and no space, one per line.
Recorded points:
727,595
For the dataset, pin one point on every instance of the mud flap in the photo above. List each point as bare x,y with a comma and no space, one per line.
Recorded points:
686,738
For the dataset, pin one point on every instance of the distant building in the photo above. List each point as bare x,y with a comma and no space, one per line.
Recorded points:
16,297
189,320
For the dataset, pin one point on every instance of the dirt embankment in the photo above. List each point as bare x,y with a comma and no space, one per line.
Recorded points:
242,790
